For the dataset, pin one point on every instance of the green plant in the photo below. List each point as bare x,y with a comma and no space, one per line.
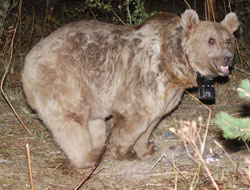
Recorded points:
98,4
134,10
234,128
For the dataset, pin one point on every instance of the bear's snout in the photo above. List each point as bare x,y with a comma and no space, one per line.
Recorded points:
228,59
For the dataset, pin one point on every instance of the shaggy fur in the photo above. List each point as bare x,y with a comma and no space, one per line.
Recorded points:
86,71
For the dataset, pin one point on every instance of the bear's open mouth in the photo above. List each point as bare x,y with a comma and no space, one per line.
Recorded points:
222,70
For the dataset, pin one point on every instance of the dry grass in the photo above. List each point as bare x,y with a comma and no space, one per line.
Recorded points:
210,162
179,172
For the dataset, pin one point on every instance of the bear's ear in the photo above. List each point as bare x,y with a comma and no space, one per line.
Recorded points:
189,19
231,22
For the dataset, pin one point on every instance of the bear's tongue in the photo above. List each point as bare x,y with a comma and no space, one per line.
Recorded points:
224,69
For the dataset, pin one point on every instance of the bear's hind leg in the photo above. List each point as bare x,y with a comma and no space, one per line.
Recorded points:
126,130
71,133
97,130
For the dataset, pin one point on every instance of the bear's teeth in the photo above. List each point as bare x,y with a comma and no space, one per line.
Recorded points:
224,69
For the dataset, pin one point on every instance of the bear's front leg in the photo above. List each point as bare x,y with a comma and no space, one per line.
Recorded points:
143,148
127,129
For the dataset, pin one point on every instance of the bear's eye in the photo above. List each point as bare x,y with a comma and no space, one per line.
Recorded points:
211,41
228,41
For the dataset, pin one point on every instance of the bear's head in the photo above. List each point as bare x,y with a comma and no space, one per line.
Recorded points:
209,46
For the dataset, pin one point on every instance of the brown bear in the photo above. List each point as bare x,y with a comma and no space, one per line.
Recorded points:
87,71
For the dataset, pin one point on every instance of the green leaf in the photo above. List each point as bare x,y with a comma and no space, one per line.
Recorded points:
233,128
244,89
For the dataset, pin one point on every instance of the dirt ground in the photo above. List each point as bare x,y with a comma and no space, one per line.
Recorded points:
173,169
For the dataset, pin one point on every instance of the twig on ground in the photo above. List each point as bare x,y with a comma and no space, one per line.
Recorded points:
159,159
234,164
164,155
29,165
8,66
208,121
56,168
195,177
85,179
176,181
189,135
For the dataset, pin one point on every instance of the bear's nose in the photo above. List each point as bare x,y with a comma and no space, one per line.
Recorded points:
228,59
